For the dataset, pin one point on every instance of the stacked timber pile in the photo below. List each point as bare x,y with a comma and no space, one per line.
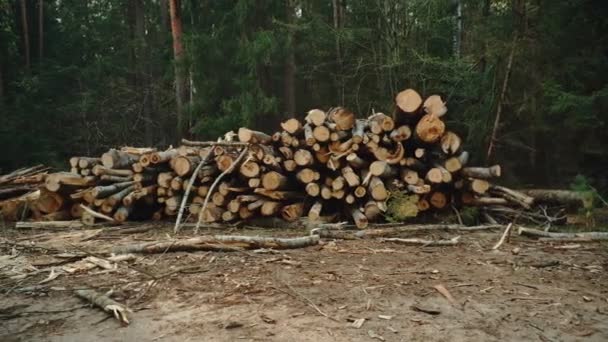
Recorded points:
330,166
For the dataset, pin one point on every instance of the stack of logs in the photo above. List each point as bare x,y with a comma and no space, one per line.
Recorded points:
331,165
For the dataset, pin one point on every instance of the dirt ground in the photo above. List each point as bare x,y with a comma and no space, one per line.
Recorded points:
526,291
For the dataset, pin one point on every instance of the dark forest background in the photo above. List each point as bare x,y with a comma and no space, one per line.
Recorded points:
80,76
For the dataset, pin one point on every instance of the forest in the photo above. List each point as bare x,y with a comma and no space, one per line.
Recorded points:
528,77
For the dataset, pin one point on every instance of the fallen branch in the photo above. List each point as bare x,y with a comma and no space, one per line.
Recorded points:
96,214
451,242
550,236
215,183
187,192
213,143
392,231
106,304
503,237
219,243
49,225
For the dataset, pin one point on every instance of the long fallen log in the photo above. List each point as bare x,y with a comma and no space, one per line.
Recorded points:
552,236
451,242
218,243
394,231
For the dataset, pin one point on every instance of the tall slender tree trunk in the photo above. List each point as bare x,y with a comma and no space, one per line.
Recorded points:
143,83
340,72
178,54
164,15
290,64
26,35
458,29
40,30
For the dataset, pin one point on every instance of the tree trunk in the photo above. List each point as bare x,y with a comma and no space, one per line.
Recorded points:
178,54
40,30
26,36
290,63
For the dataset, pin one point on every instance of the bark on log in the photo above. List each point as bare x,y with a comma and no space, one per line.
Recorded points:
579,198
114,159
481,172
253,137
219,243
315,211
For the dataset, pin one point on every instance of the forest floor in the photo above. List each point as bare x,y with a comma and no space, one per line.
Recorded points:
525,291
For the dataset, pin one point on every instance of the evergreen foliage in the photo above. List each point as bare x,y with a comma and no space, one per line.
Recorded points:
100,84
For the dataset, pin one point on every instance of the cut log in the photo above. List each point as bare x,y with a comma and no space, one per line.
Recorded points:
122,213
338,183
434,175
482,172
315,117
343,118
290,165
253,137
48,201
249,169
430,128
100,192
435,105
218,199
372,210
379,123
164,179
307,176
292,126
359,218
577,198
450,143
513,196
382,169
408,101
313,189
99,170
87,162
359,131
114,159
185,165
309,137
351,178
228,216
55,181
409,176
321,134
401,133
315,211
377,189
270,208
274,181
292,212
419,189
115,179
479,186
355,161
438,200
303,158
360,191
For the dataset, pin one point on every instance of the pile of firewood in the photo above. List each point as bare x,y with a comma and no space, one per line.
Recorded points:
331,165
